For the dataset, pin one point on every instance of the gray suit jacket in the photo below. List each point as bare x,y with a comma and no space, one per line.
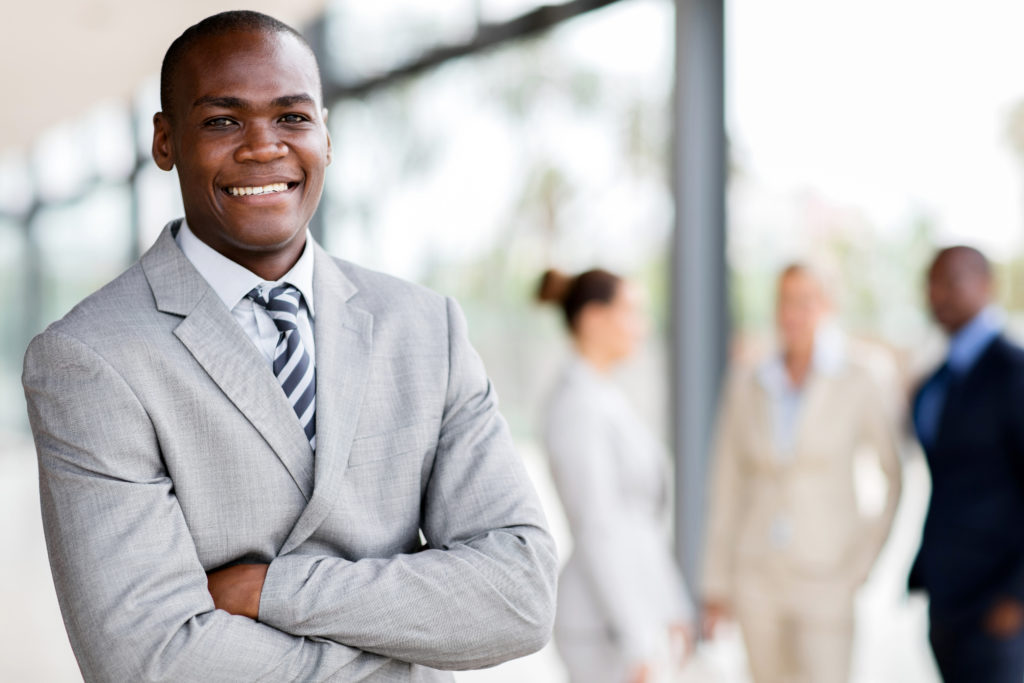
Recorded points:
167,449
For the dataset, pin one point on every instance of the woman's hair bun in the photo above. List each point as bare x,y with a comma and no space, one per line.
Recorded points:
554,285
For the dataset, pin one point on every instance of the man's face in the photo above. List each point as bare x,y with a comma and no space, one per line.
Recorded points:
957,290
248,137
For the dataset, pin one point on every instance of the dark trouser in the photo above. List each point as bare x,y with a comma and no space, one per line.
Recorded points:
966,653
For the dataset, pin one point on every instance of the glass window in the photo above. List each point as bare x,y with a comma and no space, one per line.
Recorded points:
110,141
83,246
480,174
159,202
13,336
863,149
366,39
15,185
61,166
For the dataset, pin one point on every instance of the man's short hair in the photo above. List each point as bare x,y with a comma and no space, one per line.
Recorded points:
972,259
217,25
815,272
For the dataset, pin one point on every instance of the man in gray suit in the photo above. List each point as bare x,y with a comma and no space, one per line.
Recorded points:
261,463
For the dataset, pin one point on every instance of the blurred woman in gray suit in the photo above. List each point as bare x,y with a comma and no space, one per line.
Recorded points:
623,610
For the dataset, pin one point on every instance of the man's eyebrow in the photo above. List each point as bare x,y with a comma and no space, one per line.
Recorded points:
221,101
292,100
228,102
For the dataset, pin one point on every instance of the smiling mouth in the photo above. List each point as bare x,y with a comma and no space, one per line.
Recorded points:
272,188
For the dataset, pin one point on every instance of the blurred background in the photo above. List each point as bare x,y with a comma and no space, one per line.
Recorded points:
695,146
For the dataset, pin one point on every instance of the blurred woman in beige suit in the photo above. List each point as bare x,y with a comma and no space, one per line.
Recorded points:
787,547
623,611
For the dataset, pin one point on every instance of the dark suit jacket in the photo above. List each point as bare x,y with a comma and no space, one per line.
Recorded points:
972,548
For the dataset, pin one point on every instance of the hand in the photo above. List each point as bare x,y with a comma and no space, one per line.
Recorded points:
715,611
682,642
237,589
1005,619
641,674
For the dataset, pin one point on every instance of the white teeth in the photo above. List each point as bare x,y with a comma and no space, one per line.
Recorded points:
261,189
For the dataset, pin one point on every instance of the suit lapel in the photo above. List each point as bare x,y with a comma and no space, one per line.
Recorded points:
963,386
227,355
813,394
812,414
763,421
344,343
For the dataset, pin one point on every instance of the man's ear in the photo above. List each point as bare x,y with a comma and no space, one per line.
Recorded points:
330,153
163,150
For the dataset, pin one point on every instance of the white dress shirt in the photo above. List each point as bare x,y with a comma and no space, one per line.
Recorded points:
231,282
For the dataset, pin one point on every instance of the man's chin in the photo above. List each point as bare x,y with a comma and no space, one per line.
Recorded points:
949,326
268,239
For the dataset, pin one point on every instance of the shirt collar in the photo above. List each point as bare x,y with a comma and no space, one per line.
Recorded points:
967,345
773,377
828,357
231,282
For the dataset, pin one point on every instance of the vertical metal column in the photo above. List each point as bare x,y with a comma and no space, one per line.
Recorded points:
699,301
35,296
32,296
316,35
134,189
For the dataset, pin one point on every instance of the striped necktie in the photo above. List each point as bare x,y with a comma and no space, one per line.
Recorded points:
293,365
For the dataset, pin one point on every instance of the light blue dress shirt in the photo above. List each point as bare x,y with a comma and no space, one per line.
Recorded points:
828,357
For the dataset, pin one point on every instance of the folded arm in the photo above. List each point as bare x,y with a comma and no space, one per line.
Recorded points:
130,584
482,593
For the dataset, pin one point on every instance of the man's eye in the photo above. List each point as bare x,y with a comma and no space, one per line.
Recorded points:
219,122
293,118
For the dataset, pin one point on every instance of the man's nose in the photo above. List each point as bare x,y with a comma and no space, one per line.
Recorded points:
260,144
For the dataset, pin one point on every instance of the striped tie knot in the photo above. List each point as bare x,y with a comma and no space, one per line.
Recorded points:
282,304
293,365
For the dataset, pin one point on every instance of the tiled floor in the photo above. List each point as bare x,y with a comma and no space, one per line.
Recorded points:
33,647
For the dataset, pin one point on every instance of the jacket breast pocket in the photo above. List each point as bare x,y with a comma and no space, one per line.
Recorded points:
420,437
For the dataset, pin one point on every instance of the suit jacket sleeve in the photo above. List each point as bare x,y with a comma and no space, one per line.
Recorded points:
130,585
880,435
1015,428
483,590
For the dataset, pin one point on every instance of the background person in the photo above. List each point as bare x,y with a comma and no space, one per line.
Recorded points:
969,417
786,546
623,609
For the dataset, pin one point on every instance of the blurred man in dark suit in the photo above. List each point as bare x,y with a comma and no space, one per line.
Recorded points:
969,417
